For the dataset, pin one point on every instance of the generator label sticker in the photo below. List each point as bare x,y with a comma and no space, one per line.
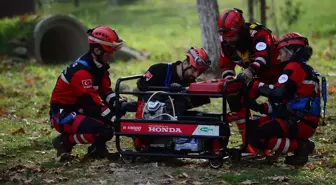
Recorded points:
207,130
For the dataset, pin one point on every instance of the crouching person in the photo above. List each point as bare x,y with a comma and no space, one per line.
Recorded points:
294,104
81,105
177,75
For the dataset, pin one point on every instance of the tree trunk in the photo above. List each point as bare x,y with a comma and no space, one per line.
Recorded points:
250,5
208,16
263,12
114,3
276,29
76,3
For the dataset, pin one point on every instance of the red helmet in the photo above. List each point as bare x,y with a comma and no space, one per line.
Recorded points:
230,22
292,38
106,37
199,59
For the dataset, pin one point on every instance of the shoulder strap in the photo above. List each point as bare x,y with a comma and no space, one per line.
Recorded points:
168,75
83,62
324,96
254,27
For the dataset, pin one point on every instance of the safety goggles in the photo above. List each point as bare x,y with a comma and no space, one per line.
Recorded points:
113,45
203,64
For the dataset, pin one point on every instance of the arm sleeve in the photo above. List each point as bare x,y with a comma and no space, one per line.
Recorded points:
263,44
287,84
105,91
226,65
82,84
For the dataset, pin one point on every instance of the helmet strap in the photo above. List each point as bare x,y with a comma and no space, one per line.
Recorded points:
183,72
289,52
97,57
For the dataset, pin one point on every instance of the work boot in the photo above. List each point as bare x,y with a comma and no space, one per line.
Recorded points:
63,148
300,157
272,158
101,152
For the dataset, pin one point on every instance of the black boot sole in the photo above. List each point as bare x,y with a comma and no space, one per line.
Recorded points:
296,160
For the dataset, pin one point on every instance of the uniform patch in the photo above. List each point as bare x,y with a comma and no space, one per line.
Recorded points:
283,78
148,75
261,46
87,83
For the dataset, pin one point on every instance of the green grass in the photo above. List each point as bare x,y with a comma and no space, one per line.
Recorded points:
167,30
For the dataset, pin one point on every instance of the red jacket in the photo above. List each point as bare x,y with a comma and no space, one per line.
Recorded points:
260,54
82,85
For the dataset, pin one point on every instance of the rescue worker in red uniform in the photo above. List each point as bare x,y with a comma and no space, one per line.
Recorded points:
294,104
81,105
250,46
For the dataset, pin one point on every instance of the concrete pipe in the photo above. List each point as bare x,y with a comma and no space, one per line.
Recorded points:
59,38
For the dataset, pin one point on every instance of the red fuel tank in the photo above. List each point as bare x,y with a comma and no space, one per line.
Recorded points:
216,86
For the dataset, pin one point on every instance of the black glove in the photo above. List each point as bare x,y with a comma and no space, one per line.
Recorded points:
246,76
128,107
175,87
108,116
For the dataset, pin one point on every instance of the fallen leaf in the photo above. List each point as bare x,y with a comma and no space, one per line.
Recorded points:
249,182
24,116
102,182
312,166
183,175
58,180
37,78
183,182
30,81
45,131
315,35
280,178
327,53
24,17
16,178
113,165
196,183
28,182
18,131
49,181
3,111
319,131
221,182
